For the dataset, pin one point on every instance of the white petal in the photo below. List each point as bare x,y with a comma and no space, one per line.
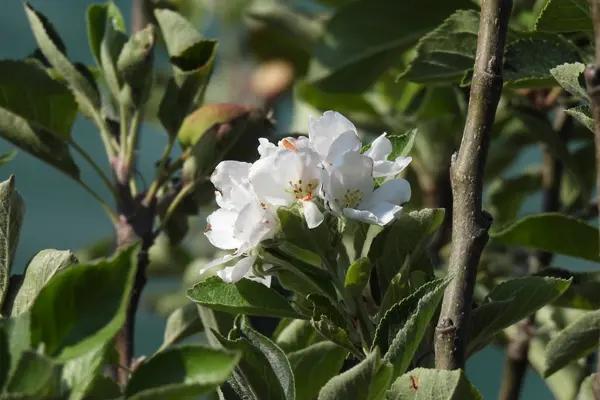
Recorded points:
216,263
324,130
237,271
253,225
231,179
396,191
312,214
380,148
347,141
265,148
360,215
265,280
353,175
390,168
220,229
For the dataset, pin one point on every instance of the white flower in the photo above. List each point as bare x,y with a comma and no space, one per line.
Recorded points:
287,175
379,152
332,135
231,273
348,189
243,221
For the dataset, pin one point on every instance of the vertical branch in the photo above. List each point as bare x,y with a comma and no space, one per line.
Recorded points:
517,350
469,222
592,79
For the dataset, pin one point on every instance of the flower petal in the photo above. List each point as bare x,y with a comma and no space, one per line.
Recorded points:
220,229
265,147
237,271
216,263
231,179
324,130
253,225
396,191
312,214
380,148
347,141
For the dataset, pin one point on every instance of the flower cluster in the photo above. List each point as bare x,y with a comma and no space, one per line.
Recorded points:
327,171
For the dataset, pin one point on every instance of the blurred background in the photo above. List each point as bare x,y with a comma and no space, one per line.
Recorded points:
61,215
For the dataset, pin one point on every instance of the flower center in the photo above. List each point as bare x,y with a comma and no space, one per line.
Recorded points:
303,190
350,199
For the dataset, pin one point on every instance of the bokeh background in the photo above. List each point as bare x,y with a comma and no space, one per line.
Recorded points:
61,215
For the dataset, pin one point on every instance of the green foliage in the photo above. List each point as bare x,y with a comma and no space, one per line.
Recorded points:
182,323
357,275
83,307
313,366
576,238
422,384
12,210
565,16
192,371
367,380
510,302
575,341
246,296
351,55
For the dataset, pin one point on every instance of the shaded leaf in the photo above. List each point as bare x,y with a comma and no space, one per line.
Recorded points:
244,297
506,196
183,322
584,291
12,209
575,341
444,54
351,54
81,373
296,335
42,267
135,67
35,377
367,380
83,307
97,17
583,114
191,371
198,123
510,302
429,384
528,60
313,366
85,92
565,16
357,275
570,236
410,323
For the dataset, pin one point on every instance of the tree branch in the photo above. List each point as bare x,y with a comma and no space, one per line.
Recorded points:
592,80
469,222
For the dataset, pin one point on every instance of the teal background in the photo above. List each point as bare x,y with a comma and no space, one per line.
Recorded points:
61,215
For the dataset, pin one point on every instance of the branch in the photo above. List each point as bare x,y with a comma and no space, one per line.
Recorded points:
592,80
469,222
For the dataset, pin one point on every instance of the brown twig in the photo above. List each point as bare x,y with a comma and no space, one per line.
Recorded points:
469,222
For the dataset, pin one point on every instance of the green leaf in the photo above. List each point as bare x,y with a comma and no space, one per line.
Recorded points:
42,267
85,91
12,209
135,66
586,391
313,366
198,123
35,377
429,384
83,307
570,237
583,114
528,61
81,373
18,338
570,77
357,275
37,113
402,144
181,373
367,380
111,45
351,54
7,157
264,371
407,324
584,291
296,335
192,58
506,196
446,53
565,16
183,322
4,355
575,341
244,297
97,17
295,231
404,238
330,323
510,302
